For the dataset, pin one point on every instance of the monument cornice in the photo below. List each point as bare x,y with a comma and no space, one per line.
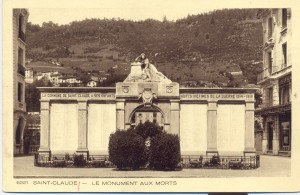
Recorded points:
216,90
77,89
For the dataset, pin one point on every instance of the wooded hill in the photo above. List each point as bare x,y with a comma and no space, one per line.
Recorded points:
196,48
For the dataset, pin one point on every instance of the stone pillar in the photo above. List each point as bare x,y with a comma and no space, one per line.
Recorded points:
265,136
212,128
175,117
276,135
44,149
275,93
120,114
249,129
16,121
22,129
82,128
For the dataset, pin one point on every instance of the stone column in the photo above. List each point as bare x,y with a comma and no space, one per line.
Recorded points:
175,117
22,126
16,121
249,129
44,149
82,128
120,114
276,135
212,128
265,136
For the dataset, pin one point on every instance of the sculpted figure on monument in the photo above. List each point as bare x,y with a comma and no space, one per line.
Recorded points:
143,71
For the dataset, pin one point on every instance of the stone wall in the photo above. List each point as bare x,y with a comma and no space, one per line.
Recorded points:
207,120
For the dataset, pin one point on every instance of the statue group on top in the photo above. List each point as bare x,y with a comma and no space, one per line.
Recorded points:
143,71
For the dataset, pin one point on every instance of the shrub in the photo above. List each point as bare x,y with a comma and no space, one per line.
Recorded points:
215,160
79,160
127,149
147,129
164,151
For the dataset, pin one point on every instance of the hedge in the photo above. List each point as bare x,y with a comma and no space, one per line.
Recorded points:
164,151
127,149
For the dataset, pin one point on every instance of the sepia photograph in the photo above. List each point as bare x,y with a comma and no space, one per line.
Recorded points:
148,96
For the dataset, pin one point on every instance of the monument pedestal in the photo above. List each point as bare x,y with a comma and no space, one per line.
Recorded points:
83,151
44,153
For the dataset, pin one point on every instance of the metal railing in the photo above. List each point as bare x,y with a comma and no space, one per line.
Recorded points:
33,148
286,148
267,72
67,160
192,161
221,162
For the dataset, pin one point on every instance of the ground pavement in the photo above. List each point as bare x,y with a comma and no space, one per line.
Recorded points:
270,166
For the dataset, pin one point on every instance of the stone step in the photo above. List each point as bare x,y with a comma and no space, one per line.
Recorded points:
284,153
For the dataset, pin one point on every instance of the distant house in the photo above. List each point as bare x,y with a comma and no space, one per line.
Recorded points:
62,79
69,80
73,80
101,79
39,76
235,70
235,73
47,75
29,77
92,83
54,79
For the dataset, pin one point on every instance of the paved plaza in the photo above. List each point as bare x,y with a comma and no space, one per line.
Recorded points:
271,166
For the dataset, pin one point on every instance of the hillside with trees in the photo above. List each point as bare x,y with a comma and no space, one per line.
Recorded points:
199,48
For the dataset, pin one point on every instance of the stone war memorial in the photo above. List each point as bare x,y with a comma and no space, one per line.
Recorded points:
208,121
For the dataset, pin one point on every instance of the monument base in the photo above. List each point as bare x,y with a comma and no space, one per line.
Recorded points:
83,151
44,152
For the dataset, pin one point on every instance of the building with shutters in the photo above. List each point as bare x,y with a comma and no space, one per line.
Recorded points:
20,17
276,82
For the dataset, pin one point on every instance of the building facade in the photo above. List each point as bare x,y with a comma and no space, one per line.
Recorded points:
208,120
20,17
275,81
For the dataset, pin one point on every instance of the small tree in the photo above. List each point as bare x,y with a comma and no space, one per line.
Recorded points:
164,151
127,149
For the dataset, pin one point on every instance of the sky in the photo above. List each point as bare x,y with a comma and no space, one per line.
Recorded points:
133,10
64,12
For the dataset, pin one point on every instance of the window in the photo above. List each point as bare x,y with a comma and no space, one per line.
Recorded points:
270,27
270,96
20,56
20,92
284,94
284,53
270,61
21,31
21,18
284,18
